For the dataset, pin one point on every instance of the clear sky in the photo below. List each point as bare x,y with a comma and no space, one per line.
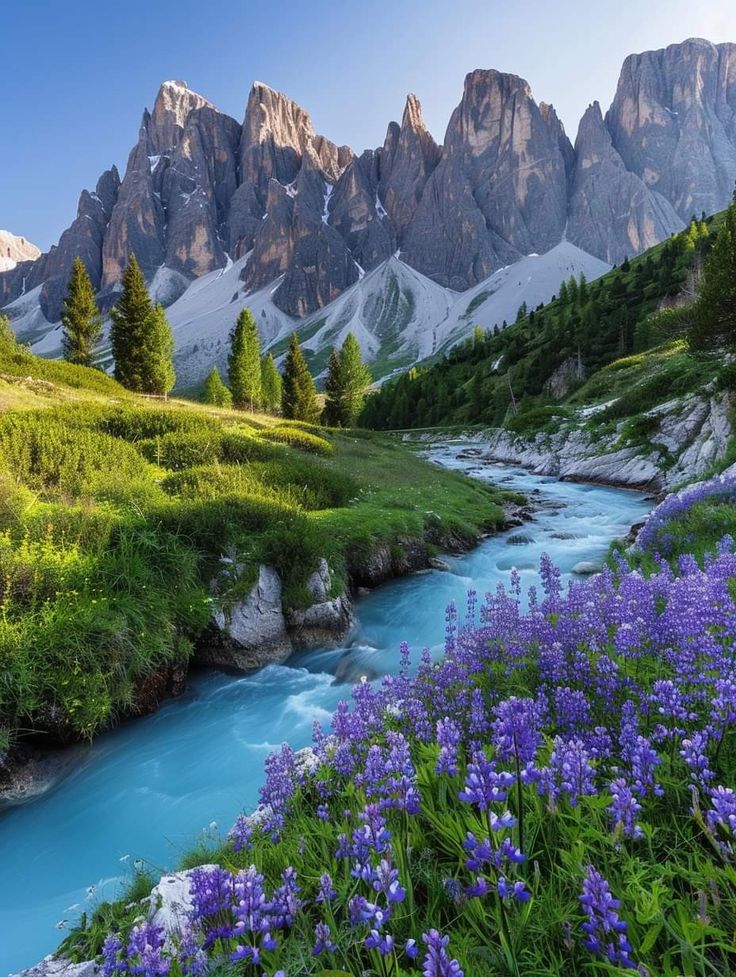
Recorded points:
78,73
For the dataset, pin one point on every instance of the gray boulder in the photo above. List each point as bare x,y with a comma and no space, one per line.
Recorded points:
328,620
252,633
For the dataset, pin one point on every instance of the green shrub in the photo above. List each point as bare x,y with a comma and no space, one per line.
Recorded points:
217,480
17,361
326,486
44,453
543,418
300,439
181,449
141,423
239,446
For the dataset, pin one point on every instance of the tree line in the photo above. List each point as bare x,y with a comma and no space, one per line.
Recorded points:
142,347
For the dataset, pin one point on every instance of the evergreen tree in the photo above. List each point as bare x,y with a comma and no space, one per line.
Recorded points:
299,396
158,368
131,324
215,391
715,309
244,362
334,385
356,378
347,380
80,318
270,385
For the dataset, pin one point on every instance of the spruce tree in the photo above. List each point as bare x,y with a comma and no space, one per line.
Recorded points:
215,392
80,318
333,412
299,396
714,322
131,320
244,362
270,385
356,377
347,379
158,366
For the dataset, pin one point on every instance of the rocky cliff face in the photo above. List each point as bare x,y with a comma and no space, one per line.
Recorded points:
313,217
500,190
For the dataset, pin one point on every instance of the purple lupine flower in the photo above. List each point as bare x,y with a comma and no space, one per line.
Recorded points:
326,892
383,942
112,964
624,809
515,890
721,816
485,785
386,880
192,956
572,772
695,754
448,738
241,834
286,902
605,930
437,962
516,733
146,951
323,940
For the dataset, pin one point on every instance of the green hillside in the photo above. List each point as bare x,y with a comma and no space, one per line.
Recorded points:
116,510
504,376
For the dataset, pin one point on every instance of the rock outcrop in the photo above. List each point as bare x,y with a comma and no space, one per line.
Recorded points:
690,434
328,620
258,630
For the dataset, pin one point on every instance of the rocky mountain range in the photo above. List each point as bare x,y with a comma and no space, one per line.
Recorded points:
292,223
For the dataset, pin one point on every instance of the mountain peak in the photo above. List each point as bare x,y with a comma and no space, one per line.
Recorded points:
412,117
14,249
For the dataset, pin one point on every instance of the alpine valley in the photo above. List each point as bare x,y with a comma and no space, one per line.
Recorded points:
408,245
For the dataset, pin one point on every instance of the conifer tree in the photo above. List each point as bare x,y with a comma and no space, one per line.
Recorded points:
270,385
347,380
715,309
215,391
131,320
244,362
158,367
299,396
80,318
333,412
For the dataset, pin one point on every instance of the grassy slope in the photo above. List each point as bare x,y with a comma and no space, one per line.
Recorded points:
115,512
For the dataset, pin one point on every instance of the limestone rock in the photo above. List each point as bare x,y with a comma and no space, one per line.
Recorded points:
673,122
328,620
566,377
250,634
409,157
500,190
51,967
613,213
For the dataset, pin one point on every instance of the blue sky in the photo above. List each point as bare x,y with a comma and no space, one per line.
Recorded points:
77,74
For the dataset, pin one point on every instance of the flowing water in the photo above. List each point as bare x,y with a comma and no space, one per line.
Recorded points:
148,788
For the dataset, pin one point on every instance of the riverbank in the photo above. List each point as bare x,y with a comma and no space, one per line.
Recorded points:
148,788
154,539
